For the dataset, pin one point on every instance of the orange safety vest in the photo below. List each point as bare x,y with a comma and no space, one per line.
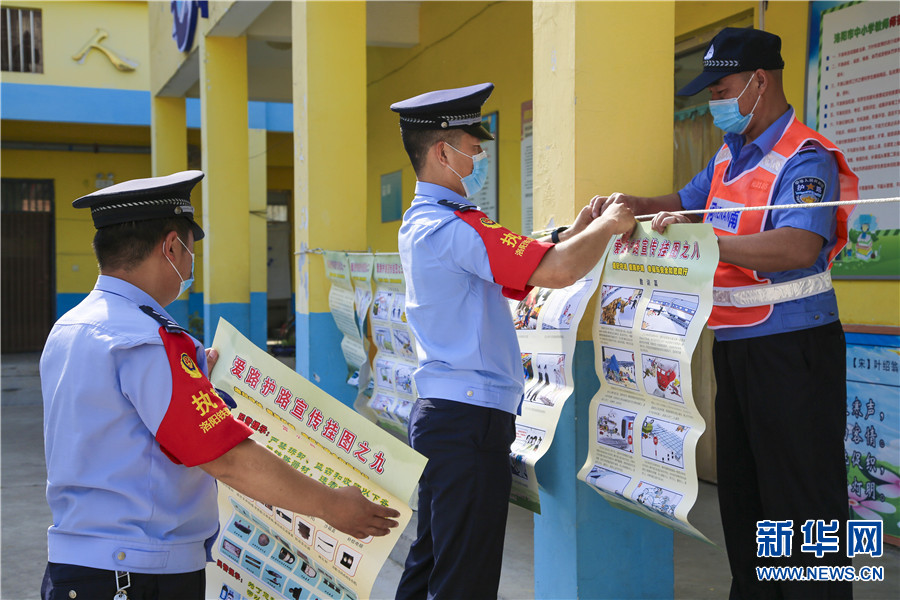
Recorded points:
755,187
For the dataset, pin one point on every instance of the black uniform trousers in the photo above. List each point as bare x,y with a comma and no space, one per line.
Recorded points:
463,500
87,583
780,424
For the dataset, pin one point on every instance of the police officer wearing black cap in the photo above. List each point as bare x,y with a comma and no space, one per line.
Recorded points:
460,268
135,435
779,353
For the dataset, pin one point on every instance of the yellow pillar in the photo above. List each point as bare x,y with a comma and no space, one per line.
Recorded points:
226,193
329,77
603,88
168,136
168,154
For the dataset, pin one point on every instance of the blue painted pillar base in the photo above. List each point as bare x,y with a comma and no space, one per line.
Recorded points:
319,356
179,310
583,547
249,319
259,319
236,313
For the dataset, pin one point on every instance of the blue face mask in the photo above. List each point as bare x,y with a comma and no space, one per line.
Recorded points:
185,283
727,114
474,181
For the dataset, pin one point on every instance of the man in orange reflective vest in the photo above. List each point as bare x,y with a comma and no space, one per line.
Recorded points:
779,353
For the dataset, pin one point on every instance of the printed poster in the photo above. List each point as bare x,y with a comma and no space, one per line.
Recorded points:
546,324
395,360
872,439
526,166
654,300
854,100
265,551
348,300
486,198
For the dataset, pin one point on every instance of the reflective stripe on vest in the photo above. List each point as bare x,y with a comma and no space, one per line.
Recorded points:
773,293
755,187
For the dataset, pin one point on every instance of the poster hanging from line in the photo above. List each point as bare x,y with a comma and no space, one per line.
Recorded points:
349,299
546,323
266,551
655,299
395,360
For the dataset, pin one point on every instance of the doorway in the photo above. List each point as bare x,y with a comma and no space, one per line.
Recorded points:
28,251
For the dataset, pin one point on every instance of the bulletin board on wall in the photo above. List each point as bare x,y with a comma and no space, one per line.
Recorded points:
851,99
872,439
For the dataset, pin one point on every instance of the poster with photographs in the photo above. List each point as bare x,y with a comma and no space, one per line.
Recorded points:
265,551
546,323
349,297
654,302
394,392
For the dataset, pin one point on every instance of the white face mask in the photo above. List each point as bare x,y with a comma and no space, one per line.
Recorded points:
185,283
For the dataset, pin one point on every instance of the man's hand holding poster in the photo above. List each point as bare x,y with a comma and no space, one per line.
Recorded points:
655,297
267,552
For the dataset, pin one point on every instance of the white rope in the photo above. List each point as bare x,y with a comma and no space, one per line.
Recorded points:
775,207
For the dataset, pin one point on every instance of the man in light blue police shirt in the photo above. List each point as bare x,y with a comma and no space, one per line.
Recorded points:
460,266
779,353
131,457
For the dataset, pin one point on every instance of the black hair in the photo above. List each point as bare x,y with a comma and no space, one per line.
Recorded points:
417,142
126,245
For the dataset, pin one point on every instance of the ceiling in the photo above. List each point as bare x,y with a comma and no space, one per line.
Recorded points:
267,26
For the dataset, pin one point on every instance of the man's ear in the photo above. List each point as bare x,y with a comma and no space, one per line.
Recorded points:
440,152
170,241
762,80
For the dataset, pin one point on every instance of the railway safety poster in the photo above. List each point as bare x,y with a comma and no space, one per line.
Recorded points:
349,299
264,551
654,300
546,324
395,360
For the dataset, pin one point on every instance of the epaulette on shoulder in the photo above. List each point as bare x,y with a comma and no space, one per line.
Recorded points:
457,205
170,325
808,148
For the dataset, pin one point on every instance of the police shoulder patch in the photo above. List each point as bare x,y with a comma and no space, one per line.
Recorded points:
170,325
808,190
457,205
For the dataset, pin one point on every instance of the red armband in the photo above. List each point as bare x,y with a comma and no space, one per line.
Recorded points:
513,257
198,426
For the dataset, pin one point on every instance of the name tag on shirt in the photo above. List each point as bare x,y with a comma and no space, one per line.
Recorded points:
725,221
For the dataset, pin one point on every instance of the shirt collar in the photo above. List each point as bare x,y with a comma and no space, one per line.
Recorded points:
432,192
767,140
120,287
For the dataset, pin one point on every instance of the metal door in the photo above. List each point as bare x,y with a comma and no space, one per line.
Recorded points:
28,299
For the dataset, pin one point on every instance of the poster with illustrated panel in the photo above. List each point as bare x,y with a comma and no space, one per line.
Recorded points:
654,300
546,323
394,390
348,302
265,551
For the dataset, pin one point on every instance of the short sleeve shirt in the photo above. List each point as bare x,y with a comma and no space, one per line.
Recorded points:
466,341
811,161
107,384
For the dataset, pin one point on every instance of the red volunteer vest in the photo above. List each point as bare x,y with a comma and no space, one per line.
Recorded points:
755,187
